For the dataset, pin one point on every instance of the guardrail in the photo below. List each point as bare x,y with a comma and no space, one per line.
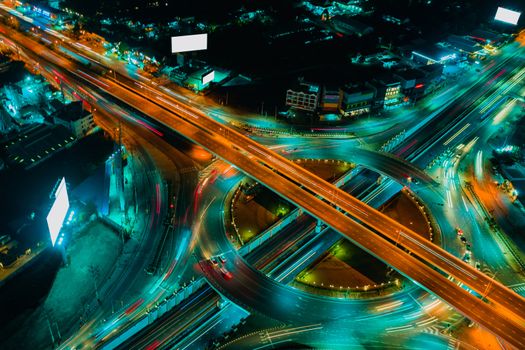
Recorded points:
155,313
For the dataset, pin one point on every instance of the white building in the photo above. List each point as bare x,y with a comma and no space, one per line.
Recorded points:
75,118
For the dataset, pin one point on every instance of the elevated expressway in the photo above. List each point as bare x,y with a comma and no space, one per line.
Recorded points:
503,314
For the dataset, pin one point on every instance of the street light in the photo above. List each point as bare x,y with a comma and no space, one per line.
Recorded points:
491,282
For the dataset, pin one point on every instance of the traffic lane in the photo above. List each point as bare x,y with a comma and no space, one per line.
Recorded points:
249,288
201,304
457,112
390,165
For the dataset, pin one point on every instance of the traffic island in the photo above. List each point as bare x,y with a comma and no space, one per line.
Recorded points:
347,271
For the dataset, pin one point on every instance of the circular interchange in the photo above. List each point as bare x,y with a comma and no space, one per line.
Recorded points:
343,270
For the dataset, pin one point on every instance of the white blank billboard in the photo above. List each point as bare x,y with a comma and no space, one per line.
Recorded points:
58,211
208,77
185,43
507,16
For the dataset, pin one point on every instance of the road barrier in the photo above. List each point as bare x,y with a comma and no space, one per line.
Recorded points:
155,313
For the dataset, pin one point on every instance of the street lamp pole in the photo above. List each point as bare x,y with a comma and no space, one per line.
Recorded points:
491,282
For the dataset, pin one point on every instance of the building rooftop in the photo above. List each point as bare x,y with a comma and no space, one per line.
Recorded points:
410,73
357,89
348,24
72,112
385,80
307,88
463,43
486,36
37,143
433,52
11,72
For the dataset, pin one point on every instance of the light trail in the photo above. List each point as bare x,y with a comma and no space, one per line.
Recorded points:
449,199
427,321
437,255
399,329
388,306
93,78
297,265
456,134
479,165
464,203
329,208
432,305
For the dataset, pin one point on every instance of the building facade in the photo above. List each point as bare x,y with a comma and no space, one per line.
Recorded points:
357,100
331,99
305,96
74,117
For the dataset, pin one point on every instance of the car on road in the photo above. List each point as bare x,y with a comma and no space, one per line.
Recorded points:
459,231
463,239
466,258
478,266
468,248
214,262
227,275
222,259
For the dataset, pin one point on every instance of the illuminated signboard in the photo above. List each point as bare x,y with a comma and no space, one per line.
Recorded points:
58,211
507,16
208,77
185,43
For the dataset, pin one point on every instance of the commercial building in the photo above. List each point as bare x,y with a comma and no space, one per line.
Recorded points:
304,96
433,54
357,100
43,9
488,37
387,93
74,117
413,82
467,46
349,26
331,99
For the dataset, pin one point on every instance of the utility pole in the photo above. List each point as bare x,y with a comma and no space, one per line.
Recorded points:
47,316
486,293
120,171
58,331
50,330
